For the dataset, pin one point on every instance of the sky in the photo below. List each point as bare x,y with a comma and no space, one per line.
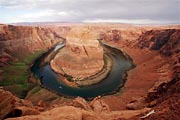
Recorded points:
118,11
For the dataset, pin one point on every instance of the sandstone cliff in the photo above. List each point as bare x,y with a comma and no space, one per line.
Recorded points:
155,51
165,94
12,106
19,41
167,41
82,57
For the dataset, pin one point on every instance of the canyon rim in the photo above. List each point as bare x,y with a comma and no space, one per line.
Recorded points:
90,60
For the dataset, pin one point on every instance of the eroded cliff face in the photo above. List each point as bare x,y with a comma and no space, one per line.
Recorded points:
13,106
167,41
155,51
19,41
118,35
82,57
164,95
19,47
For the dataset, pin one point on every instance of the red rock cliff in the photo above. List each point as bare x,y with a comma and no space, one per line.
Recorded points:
19,41
82,56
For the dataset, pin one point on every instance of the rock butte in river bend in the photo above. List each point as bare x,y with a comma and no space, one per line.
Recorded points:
82,56
154,85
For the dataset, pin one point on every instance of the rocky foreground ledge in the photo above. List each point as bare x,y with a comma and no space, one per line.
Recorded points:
13,108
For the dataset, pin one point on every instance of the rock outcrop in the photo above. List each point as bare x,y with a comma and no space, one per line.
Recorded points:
82,57
80,109
72,113
6,102
19,41
12,106
163,40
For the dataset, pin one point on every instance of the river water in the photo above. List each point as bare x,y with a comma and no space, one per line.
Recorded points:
111,83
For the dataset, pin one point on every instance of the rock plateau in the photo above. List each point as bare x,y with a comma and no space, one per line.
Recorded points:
82,56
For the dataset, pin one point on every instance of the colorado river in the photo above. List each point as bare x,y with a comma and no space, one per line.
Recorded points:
112,82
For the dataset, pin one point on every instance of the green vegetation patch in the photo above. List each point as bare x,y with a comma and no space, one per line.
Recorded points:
17,73
30,58
35,89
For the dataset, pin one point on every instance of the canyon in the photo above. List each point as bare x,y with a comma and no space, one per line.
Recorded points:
151,90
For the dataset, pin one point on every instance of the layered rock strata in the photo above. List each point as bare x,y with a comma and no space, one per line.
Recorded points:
12,106
156,76
19,41
82,57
